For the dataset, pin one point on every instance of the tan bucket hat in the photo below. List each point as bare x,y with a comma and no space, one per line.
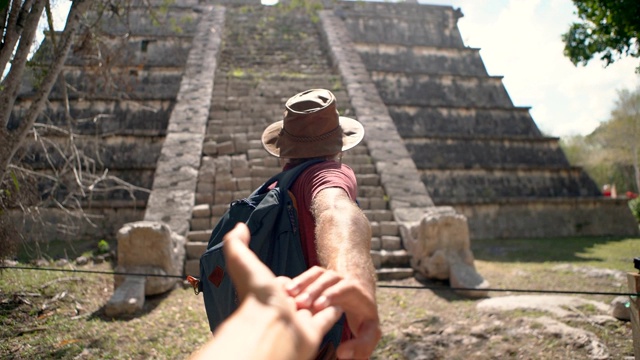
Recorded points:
311,128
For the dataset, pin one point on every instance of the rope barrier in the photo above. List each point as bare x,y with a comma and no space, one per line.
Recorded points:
91,271
387,286
439,287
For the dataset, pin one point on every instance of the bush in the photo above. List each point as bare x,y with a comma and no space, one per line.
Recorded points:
634,205
103,247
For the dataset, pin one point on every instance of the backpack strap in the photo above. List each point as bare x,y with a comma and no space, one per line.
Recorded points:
286,178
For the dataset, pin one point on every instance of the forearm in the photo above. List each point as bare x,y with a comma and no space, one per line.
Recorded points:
343,241
254,331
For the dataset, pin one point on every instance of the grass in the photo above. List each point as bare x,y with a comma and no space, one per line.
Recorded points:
601,252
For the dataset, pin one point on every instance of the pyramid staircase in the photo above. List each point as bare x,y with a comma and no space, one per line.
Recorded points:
267,57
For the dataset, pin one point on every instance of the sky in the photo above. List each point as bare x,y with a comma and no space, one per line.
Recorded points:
521,41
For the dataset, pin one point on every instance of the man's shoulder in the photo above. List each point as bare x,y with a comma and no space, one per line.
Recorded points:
330,165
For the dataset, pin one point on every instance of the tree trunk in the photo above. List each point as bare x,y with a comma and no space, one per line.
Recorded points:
11,139
11,84
15,17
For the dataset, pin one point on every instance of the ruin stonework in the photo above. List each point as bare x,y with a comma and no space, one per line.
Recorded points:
183,111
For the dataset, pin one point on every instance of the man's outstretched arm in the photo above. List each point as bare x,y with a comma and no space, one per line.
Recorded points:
343,242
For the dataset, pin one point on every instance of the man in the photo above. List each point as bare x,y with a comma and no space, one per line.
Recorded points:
335,234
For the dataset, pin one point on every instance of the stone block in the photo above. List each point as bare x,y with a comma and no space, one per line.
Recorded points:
239,161
378,203
226,148
201,224
394,274
128,298
155,248
245,184
219,209
240,142
201,211
391,243
198,235
394,258
376,243
204,198
440,249
256,154
195,249
368,180
379,215
192,267
376,258
241,172
205,187
389,228
363,203
223,197
370,192
210,148
225,183
375,228
255,144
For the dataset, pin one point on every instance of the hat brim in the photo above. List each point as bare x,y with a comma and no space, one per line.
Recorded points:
352,134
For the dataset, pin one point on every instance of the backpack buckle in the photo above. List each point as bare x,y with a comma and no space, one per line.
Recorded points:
195,282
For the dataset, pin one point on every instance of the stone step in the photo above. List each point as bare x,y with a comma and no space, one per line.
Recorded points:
198,235
195,249
379,215
361,169
388,243
390,259
379,203
398,273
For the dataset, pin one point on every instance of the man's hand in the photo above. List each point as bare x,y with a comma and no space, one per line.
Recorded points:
318,288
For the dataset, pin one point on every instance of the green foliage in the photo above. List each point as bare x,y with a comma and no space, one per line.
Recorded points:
103,247
610,154
609,28
634,205
311,7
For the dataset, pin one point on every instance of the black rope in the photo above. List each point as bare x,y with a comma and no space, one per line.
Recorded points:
406,287
92,271
440,287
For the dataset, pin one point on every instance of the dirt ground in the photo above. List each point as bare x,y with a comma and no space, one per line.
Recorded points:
47,315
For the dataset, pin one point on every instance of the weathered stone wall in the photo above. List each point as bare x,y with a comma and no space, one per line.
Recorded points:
486,184
470,152
441,90
421,59
415,121
401,23
121,94
541,218
105,117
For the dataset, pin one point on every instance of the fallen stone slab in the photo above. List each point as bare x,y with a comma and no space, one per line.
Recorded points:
559,305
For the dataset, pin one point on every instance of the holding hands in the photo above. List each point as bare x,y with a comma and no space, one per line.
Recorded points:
282,318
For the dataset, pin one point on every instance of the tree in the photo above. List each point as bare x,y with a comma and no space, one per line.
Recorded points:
609,28
611,153
20,21
622,132
74,176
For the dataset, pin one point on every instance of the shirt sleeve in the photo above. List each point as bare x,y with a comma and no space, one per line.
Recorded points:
330,174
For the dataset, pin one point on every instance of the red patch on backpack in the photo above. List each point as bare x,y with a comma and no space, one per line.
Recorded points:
216,276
